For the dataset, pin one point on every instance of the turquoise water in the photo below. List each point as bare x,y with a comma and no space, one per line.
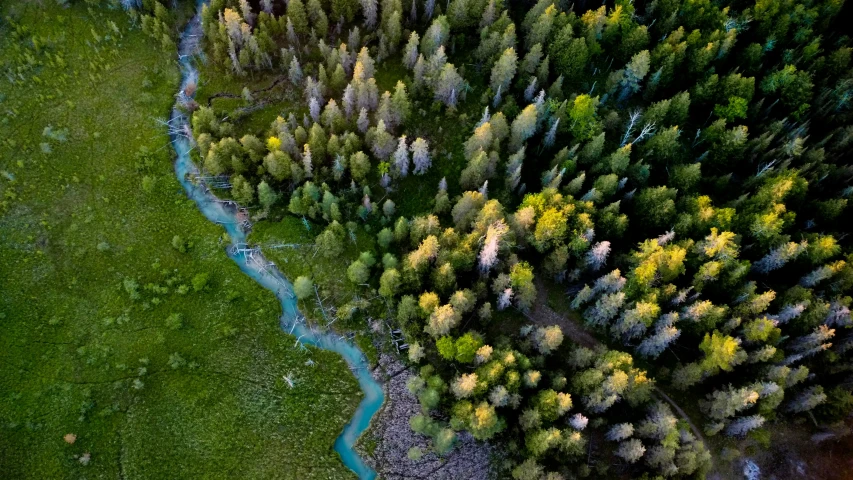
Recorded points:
270,277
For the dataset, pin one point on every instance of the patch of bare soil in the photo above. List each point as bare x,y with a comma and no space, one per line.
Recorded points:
543,315
797,452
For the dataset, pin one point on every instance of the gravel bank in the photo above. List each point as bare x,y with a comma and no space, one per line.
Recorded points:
469,460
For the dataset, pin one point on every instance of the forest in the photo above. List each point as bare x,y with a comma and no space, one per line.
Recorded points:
677,171
613,238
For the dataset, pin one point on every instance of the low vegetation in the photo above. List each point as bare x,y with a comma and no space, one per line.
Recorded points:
132,346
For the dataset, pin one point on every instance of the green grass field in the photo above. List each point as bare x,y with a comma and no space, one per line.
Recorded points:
108,330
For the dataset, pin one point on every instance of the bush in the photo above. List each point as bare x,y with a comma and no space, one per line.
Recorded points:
200,282
175,321
149,183
303,287
179,244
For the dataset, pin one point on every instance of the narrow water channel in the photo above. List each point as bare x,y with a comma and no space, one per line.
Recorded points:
271,278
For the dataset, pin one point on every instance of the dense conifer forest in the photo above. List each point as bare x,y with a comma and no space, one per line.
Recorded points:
678,171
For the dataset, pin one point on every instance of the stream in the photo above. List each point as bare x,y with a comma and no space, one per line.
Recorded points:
262,271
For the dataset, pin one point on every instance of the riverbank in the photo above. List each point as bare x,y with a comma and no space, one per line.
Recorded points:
253,263
385,446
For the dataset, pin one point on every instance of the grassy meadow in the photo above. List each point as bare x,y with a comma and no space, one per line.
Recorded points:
130,345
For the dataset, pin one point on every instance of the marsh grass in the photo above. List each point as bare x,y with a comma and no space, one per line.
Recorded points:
164,364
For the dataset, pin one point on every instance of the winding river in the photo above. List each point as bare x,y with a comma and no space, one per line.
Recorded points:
270,278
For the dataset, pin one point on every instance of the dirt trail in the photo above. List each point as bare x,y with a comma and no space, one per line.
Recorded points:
543,315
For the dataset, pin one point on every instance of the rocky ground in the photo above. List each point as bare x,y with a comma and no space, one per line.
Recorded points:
796,452
469,460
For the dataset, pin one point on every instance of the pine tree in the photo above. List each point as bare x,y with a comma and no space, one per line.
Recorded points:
524,126
635,71
345,9
521,279
489,254
413,12
421,156
531,60
466,209
317,17
266,195
582,297
389,283
655,344
505,298
620,432
551,136
807,400
540,30
481,139
364,65
477,171
634,321
723,404
484,119
381,141
314,109
332,117
630,450
358,273
442,200
606,308
435,36
489,15
513,168
278,165
448,85
318,141
401,157
410,55
363,121
419,72
307,162
370,9
298,17
359,166
578,422
441,320
548,339
242,191
504,70
820,274
402,107
596,257
348,100
838,316
392,29
295,72
313,89
741,426
584,123
429,8
789,312
386,111
303,287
